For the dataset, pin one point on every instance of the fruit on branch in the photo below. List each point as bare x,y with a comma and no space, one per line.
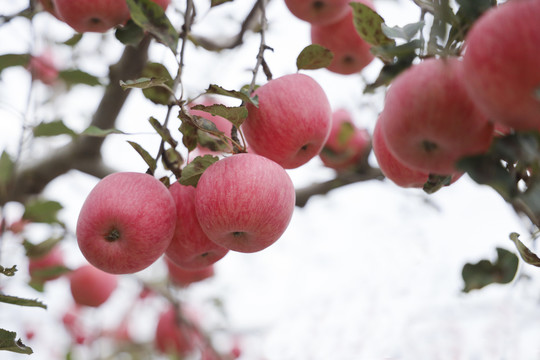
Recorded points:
174,336
351,52
96,15
42,68
91,286
244,202
184,277
291,123
318,11
190,247
429,121
43,268
126,222
502,73
347,144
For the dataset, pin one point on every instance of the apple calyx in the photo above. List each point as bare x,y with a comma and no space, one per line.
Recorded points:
112,235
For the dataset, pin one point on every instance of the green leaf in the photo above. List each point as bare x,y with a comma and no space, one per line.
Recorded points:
143,83
218,90
193,171
8,271
526,254
42,211
52,128
151,17
158,94
14,300
41,275
390,70
313,57
129,34
369,25
7,166
76,77
97,132
163,132
406,32
9,60
483,273
189,135
345,133
74,40
172,160
235,115
436,182
8,342
218,2
148,159
41,249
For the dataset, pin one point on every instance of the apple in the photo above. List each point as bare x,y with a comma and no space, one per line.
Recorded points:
74,326
318,11
429,121
126,222
244,202
347,144
91,286
48,5
291,123
351,52
501,67
184,277
95,15
42,268
174,336
42,68
190,247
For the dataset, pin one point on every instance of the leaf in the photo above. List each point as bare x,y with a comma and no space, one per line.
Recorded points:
526,254
97,132
52,128
76,77
7,166
369,25
218,90
41,249
74,40
218,2
143,83
193,171
406,32
163,132
436,182
9,60
158,94
313,57
8,342
129,34
148,159
172,160
483,273
390,70
236,115
8,271
14,300
42,211
151,17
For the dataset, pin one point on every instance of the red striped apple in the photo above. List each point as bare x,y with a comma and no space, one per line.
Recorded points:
318,11
184,277
91,286
173,336
291,123
244,202
126,222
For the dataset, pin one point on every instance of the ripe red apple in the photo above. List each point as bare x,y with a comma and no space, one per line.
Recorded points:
292,122
347,144
42,68
91,286
38,267
126,222
95,15
501,67
184,277
173,335
318,11
190,247
244,202
351,52
429,121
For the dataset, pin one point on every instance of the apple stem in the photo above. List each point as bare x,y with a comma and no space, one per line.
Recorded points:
429,146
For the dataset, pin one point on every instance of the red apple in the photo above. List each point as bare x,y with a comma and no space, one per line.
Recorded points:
429,121
95,15
292,122
173,335
42,268
347,145
42,68
48,5
190,247
91,286
318,11
184,277
351,52
126,222
501,67
244,202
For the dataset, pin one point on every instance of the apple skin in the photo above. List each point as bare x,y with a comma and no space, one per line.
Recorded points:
184,277
190,247
42,68
318,11
244,202
174,337
429,121
347,144
292,122
95,15
91,286
52,259
501,67
351,53
126,222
